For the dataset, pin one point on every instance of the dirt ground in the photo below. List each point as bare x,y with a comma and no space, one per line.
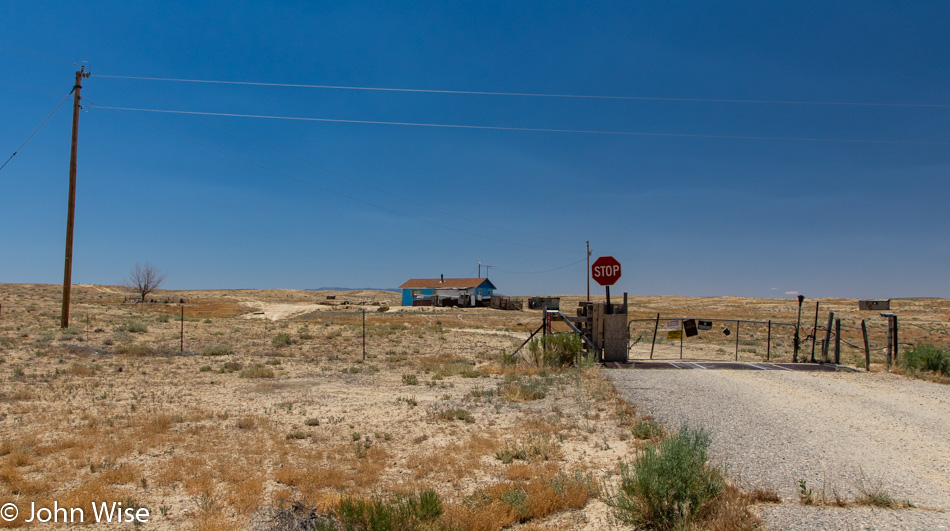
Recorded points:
210,412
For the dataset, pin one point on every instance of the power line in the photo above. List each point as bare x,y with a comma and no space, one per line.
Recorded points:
535,129
286,153
36,130
310,183
535,94
538,272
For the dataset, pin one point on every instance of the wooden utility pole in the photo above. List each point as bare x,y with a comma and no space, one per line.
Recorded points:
71,213
588,270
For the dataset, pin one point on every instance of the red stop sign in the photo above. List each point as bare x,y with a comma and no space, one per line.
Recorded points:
606,270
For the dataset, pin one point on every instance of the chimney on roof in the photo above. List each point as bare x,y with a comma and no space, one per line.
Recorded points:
441,279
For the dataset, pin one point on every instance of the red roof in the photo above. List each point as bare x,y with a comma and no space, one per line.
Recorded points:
449,283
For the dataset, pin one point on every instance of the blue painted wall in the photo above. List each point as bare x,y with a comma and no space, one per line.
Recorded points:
484,289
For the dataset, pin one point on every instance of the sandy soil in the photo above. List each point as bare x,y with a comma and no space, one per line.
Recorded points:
247,413
250,410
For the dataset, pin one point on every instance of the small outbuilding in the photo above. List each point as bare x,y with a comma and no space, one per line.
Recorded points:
447,292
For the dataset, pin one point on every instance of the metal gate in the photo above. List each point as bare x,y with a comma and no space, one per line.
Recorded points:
714,339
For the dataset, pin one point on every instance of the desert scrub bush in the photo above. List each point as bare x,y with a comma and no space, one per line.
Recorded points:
217,350
555,350
927,358
456,414
133,327
667,485
257,371
410,379
136,349
647,429
282,339
523,390
397,512
506,504
231,366
536,447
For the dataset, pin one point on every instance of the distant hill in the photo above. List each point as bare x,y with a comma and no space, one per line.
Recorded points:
394,290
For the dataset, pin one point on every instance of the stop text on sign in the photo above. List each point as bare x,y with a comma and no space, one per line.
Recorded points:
607,271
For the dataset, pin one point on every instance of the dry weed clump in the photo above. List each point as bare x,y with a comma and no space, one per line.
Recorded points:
508,503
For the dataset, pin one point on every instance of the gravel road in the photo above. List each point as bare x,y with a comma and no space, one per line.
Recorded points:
836,431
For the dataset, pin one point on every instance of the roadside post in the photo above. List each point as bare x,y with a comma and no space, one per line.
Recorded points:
798,326
867,346
827,344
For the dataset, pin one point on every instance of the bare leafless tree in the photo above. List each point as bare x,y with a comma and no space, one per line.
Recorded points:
145,279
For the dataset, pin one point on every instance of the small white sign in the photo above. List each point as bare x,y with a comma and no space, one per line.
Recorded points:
673,325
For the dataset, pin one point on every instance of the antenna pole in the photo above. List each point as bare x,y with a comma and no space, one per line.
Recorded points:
71,213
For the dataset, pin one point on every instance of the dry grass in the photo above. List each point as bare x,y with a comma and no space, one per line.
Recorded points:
102,413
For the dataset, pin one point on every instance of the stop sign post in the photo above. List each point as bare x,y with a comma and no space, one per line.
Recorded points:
606,271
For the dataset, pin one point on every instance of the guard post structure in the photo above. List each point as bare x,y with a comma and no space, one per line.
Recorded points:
607,329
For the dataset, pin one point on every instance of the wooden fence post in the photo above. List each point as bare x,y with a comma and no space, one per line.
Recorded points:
737,340
867,346
827,343
655,327
890,341
837,341
768,343
897,347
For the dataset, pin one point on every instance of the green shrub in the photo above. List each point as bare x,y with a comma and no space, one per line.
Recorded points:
282,339
927,358
399,511
134,327
257,371
667,485
231,366
410,379
556,350
647,429
218,350
457,414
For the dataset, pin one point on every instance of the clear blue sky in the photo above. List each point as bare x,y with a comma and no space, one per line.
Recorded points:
239,202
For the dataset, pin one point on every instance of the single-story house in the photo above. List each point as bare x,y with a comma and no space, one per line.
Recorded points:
447,292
